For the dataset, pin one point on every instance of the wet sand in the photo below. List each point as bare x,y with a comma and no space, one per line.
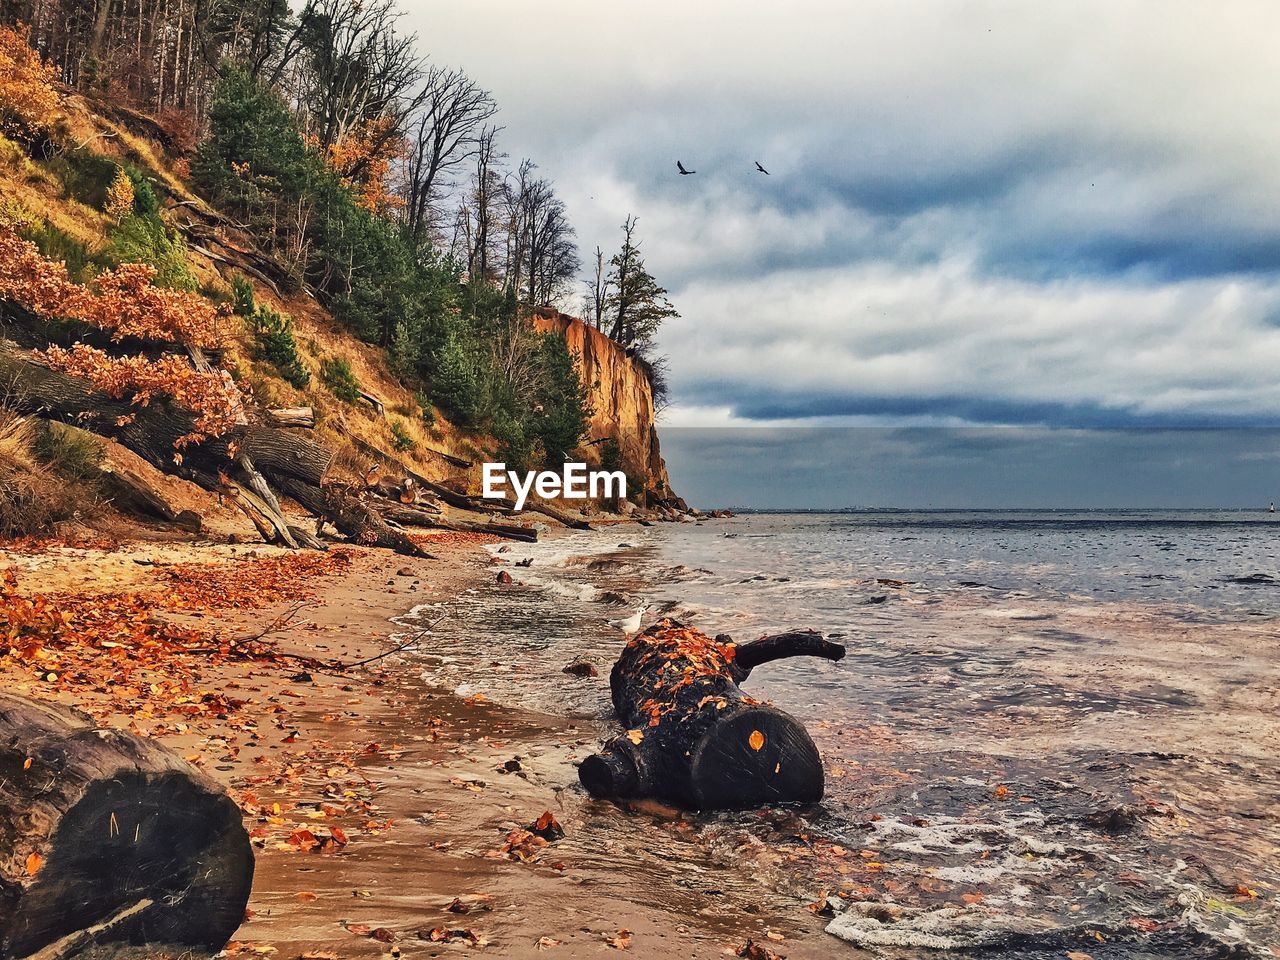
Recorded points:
426,786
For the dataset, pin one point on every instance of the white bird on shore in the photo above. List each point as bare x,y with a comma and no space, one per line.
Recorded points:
632,623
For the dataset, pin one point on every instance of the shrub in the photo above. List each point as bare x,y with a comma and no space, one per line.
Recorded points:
119,201
60,247
456,384
274,331
84,175
563,420
337,376
70,452
144,239
28,98
400,437
145,200
242,296
33,499
428,411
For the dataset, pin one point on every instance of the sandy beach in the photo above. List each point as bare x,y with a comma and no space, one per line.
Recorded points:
424,787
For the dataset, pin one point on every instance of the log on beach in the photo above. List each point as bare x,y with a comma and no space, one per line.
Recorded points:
106,837
694,738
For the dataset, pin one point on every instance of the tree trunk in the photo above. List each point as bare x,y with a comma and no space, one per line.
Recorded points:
131,484
300,417
695,739
252,454
108,837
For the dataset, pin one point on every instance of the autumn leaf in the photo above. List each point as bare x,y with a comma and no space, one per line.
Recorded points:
622,941
34,863
635,736
756,740
547,827
757,951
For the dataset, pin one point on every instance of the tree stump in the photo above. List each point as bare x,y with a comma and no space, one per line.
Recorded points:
694,738
106,837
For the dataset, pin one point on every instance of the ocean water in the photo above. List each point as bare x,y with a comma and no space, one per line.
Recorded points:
1053,731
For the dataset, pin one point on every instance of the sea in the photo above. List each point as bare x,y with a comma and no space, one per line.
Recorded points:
1054,732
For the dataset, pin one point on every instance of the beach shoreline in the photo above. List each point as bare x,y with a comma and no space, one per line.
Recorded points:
424,786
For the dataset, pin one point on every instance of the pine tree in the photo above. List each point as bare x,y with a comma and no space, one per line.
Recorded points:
637,302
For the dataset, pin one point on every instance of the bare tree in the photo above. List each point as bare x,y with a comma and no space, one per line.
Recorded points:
444,133
351,66
481,210
598,289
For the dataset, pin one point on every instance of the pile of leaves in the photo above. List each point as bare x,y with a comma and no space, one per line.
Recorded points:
121,645
127,304
683,657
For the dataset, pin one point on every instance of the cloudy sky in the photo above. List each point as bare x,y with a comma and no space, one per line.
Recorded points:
1061,219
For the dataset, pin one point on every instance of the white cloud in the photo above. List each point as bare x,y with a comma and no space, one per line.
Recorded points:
1012,203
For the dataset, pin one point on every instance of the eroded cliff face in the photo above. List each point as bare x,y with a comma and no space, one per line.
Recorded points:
621,401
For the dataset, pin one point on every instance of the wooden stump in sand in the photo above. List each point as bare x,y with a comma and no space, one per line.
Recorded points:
108,837
694,738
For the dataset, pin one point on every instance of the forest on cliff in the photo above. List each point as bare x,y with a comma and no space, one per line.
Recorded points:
224,212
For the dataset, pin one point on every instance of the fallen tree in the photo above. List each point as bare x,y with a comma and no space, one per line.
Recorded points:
245,463
694,738
106,837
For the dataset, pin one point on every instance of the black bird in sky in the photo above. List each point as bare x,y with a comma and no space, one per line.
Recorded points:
761,169
683,171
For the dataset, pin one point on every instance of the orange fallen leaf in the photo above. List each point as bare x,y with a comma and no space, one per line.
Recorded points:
620,942
34,863
756,740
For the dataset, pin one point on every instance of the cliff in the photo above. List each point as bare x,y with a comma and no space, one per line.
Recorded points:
386,420
621,400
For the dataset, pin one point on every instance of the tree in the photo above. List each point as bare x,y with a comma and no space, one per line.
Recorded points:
477,215
598,287
444,133
542,256
637,303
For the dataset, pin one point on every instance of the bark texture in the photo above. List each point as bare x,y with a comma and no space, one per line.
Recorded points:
694,738
108,837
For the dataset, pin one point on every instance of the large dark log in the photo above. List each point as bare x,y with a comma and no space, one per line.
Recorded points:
108,837
239,463
695,738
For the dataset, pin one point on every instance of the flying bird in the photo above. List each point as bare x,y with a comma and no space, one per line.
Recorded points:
761,169
683,171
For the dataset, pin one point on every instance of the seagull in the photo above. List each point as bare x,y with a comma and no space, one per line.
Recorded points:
683,171
632,623
761,169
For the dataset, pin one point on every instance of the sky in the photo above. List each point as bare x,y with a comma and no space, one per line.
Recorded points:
1049,221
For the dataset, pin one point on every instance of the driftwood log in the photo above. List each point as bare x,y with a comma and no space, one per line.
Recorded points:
694,738
245,464
107,837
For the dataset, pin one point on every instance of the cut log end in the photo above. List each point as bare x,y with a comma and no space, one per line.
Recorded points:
110,839
756,756
611,773
137,838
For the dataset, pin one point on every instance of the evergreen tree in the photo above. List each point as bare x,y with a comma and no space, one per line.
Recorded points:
637,303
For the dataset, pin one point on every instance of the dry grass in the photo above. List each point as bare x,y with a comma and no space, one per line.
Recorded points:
33,500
